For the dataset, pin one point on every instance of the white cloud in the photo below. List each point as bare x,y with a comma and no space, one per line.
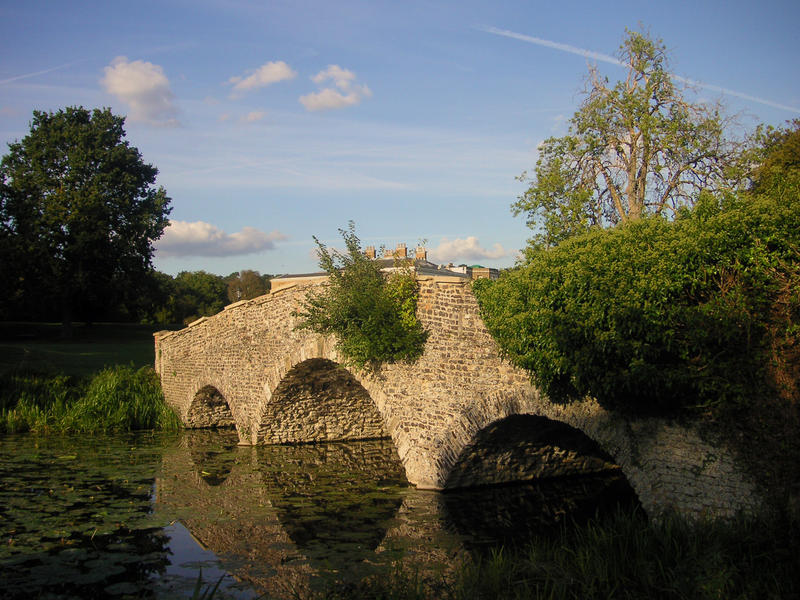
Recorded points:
144,88
198,238
266,74
348,93
464,249
254,116
343,78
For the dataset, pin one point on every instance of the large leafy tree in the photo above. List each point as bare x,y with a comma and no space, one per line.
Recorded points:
198,294
634,148
78,210
247,284
773,158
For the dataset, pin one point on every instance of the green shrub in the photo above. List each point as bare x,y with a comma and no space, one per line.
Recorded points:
372,316
655,316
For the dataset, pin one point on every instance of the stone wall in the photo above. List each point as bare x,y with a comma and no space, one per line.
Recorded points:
432,409
526,448
209,409
320,401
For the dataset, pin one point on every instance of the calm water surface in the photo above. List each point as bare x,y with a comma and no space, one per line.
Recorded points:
143,515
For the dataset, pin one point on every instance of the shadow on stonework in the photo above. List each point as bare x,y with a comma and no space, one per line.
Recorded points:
513,515
209,409
335,501
525,476
212,453
318,400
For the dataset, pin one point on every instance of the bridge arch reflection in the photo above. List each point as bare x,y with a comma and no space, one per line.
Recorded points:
283,517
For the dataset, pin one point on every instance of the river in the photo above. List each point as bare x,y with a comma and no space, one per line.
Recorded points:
143,515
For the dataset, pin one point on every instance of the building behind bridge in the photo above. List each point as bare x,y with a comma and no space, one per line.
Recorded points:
419,260
399,258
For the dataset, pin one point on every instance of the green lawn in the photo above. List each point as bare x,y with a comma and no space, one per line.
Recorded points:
38,346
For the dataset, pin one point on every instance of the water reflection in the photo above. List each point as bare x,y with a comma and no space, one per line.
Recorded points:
282,517
212,453
286,517
513,515
140,515
335,501
75,517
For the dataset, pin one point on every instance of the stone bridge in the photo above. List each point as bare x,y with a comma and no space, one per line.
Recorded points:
248,367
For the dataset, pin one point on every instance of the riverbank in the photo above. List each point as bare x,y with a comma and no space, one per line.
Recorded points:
100,380
119,398
624,556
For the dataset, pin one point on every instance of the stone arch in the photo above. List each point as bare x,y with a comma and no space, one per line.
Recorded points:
209,409
526,475
670,466
527,447
319,400
609,439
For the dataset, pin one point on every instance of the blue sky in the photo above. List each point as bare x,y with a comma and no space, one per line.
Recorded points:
271,122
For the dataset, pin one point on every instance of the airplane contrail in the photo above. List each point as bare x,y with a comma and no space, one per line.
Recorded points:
28,75
555,45
610,59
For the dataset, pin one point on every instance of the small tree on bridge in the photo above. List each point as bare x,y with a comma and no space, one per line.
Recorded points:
372,316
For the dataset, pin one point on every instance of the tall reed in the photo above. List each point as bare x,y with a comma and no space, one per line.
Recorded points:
36,401
122,399
116,399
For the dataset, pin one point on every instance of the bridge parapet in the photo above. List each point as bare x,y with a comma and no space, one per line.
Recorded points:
267,372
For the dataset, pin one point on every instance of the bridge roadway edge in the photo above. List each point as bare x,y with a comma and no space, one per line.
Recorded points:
433,409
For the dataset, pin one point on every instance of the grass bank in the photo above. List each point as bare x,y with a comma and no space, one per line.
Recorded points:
39,347
624,557
100,380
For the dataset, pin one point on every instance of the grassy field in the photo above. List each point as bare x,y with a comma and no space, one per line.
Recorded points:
38,346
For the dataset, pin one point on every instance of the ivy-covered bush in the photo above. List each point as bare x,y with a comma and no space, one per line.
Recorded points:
372,315
657,316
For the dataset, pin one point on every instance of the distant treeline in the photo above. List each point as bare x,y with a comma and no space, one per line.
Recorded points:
158,298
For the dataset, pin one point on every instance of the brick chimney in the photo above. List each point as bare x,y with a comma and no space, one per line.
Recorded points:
420,253
400,252
370,252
